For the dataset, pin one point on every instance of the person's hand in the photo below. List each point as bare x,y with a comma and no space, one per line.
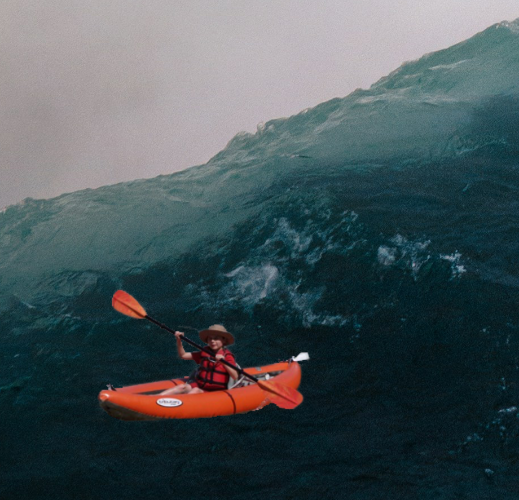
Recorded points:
218,357
179,335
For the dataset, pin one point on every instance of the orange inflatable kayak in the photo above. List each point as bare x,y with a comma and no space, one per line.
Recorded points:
144,402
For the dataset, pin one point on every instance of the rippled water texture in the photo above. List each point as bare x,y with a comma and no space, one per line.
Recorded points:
394,266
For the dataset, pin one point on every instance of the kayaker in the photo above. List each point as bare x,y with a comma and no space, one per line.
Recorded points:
211,375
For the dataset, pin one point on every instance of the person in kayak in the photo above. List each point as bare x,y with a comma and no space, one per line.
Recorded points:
211,375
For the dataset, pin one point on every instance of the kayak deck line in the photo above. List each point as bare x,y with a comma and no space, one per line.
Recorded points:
232,399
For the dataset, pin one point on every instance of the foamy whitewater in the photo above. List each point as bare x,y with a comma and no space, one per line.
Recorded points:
379,232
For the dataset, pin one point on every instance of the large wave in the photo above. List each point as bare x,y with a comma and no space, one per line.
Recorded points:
378,232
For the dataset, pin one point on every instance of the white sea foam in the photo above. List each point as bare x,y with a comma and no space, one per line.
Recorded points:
509,411
251,284
386,256
457,268
266,273
513,26
412,255
448,66
404,253
296,241
303,305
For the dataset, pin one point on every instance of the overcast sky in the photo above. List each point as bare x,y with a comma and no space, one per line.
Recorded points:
94,92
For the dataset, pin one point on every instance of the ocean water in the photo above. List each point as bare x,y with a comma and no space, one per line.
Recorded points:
378,232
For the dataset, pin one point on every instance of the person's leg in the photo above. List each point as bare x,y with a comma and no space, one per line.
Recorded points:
178,389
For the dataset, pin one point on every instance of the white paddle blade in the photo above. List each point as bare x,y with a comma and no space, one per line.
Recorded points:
302,356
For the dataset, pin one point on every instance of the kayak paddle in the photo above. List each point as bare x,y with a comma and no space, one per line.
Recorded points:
279,394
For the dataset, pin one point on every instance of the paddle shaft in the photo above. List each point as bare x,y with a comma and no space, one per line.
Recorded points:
200,348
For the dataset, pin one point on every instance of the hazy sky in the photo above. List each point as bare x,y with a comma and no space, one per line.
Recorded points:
94,92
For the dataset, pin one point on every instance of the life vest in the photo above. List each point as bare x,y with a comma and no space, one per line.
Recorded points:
211,374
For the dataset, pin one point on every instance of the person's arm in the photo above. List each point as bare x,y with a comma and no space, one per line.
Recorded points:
231,371
180,347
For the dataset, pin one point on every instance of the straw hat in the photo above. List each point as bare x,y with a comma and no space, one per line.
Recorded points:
217,330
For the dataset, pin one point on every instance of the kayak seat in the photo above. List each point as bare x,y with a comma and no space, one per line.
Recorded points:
241,381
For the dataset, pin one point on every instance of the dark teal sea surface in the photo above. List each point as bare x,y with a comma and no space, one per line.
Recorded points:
392,259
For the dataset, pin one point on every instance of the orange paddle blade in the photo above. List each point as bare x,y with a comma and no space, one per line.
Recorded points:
281,395
125,304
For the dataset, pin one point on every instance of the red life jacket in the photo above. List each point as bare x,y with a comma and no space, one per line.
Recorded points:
211,374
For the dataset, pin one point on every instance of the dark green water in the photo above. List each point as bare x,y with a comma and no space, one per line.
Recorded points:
401,283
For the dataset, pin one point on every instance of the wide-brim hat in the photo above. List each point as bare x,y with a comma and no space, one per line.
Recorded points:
217,330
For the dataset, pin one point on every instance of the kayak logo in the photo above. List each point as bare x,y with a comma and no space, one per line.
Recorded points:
169,402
